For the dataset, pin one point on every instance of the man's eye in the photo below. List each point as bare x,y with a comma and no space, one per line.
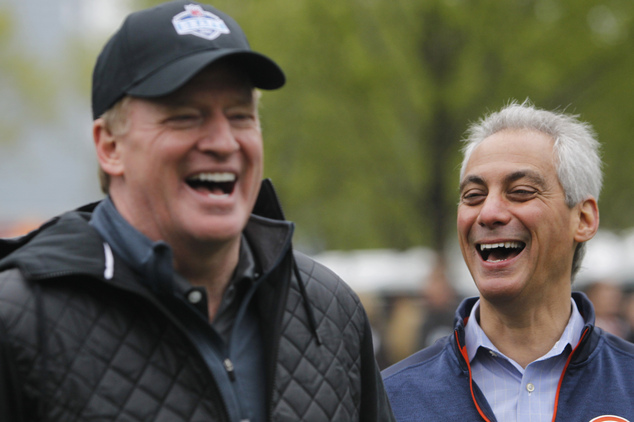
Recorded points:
240,116
522,194
523,191
182,120
242,119
183,117
472,197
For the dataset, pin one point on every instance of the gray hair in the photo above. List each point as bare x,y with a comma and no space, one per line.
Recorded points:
576,150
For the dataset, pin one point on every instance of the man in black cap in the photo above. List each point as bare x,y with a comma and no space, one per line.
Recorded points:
179,297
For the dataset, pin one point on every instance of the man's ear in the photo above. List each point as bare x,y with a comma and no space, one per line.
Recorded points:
588,220
108,149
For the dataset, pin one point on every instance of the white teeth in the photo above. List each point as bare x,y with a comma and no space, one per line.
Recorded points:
218,177
214,177
515,245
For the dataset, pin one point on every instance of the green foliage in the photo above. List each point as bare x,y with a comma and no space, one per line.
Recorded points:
363,142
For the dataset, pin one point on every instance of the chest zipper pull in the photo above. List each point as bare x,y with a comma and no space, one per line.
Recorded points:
230,369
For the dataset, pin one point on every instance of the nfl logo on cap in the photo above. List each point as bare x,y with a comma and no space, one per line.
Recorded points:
201,23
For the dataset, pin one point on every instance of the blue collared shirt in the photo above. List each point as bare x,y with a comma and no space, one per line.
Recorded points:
234,333
519,394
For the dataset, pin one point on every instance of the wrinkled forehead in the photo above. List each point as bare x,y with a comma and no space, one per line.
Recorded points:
504,139
513,151
529,144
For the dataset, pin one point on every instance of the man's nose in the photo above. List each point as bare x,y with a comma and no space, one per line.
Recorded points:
217,137
494,211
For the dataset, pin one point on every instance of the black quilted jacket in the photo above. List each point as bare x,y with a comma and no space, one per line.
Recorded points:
78,343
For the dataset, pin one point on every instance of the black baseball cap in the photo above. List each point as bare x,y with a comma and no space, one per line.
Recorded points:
157,50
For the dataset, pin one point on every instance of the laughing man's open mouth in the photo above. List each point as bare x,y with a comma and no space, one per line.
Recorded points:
219,184
496,252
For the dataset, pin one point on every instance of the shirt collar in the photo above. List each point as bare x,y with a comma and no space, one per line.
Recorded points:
153,260
476,338
132,246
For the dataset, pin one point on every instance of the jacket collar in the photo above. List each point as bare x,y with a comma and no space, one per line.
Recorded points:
65,245
586,346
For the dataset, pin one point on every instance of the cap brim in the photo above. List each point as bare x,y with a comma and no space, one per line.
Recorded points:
263,72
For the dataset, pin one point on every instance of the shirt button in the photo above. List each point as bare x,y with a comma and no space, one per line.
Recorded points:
493,353
194,296
530,387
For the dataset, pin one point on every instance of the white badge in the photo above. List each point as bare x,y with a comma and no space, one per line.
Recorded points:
199,22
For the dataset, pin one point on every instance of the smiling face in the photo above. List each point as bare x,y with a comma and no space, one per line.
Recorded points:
516,233
188,168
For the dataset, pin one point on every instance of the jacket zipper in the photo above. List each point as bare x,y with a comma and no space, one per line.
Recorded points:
465,356
561,378
276,340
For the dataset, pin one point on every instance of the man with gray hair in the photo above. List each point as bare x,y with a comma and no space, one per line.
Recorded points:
526,349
